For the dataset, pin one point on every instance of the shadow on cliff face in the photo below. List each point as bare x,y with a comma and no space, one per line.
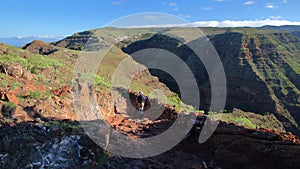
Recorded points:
245,89
185,54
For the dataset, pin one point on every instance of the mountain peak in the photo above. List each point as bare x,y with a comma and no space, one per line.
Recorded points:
40,47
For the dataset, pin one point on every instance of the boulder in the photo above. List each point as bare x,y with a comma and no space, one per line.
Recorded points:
15,70
27,75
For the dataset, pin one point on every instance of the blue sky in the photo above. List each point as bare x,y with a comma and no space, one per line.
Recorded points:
65,17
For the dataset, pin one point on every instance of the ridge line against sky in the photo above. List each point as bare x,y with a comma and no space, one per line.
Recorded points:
220,24
225,23
59,18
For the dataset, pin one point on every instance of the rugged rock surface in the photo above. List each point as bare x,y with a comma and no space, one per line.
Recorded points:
78,41
40,47
64,145
259,73
229,147
33,146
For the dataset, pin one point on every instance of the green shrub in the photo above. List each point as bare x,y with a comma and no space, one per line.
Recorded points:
9,59
11,104
174,100
16,85
38,62
94,79
3,83
34,63
35,95
243,122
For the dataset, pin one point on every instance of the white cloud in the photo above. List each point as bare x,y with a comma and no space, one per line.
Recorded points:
271,6
228,23
185,16
118,3
21,37
245,23
173,5
275,17
249,2
207,8
284,1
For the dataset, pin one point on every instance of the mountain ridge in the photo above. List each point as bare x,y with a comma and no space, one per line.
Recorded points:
254,51
37,106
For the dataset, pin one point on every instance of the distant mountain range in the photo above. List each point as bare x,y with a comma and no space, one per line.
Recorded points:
21,41
282,28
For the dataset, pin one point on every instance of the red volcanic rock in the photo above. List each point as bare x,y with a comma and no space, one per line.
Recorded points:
290,137
62,91
19,91
29,86
40,47
42,88
11,97
169,113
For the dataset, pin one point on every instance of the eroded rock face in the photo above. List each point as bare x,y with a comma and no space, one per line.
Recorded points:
79,41
11,97
62,91
59,146
252,82
54,147
40,47
237,147
230,147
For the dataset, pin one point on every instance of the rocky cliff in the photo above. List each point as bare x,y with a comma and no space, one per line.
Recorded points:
261,70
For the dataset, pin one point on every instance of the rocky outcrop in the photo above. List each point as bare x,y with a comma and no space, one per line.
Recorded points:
62,91
229,147
11,97
15,70
40,47
79,41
